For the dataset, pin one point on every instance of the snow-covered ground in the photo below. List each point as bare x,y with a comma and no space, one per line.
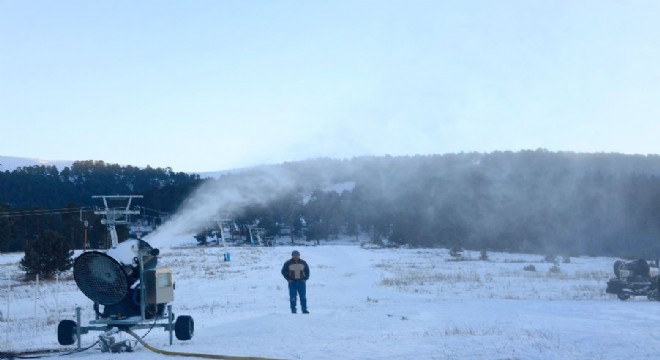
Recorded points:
364,304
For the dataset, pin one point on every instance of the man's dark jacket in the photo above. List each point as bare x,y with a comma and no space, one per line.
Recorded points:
295,270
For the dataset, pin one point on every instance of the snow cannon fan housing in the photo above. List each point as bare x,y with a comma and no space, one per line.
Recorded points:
112,279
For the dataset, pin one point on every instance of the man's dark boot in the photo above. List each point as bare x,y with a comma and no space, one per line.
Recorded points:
293,311
305,311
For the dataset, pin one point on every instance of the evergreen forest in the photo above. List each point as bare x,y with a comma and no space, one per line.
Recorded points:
35,199
533,201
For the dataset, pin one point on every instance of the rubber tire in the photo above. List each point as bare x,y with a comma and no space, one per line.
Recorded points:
623,297
184,327
66,332
617,268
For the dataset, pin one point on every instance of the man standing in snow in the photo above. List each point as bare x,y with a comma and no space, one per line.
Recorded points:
296,272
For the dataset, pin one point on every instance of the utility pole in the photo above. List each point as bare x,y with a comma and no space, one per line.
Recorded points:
86,224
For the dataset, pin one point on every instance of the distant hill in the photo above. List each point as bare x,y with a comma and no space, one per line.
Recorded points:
9,163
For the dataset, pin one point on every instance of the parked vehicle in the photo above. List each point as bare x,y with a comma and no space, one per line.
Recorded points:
635,278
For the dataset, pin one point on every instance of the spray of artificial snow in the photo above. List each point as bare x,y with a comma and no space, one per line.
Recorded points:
227,196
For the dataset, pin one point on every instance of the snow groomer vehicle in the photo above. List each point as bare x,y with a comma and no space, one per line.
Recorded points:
634,278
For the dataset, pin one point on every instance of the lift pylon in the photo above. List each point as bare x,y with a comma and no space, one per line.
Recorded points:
224,219
116,215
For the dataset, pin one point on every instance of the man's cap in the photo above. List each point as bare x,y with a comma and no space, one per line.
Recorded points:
295,252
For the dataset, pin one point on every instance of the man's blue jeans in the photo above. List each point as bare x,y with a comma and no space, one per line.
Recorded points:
298,287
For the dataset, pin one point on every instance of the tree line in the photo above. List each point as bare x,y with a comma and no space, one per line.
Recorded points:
529,201
34,199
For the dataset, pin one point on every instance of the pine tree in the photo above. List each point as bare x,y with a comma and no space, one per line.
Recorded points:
456,252
202,237
47,255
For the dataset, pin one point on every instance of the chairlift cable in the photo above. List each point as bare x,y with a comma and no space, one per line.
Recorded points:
40,212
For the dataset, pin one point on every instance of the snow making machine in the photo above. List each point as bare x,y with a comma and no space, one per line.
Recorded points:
129,292
635,278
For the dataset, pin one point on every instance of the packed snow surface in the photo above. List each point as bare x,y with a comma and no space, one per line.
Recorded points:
364,304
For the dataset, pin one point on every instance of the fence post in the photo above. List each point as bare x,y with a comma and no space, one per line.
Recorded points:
57,294
9,296
36,295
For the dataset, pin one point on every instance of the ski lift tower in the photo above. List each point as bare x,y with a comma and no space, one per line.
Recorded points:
222,220
255,232
116,215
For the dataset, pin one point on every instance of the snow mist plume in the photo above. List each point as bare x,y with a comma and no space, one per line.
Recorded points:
229,194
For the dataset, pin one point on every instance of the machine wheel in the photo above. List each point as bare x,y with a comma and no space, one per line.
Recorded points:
184,327
617,267
66,332
623,297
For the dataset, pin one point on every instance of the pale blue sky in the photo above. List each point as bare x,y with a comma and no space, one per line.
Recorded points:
214,85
